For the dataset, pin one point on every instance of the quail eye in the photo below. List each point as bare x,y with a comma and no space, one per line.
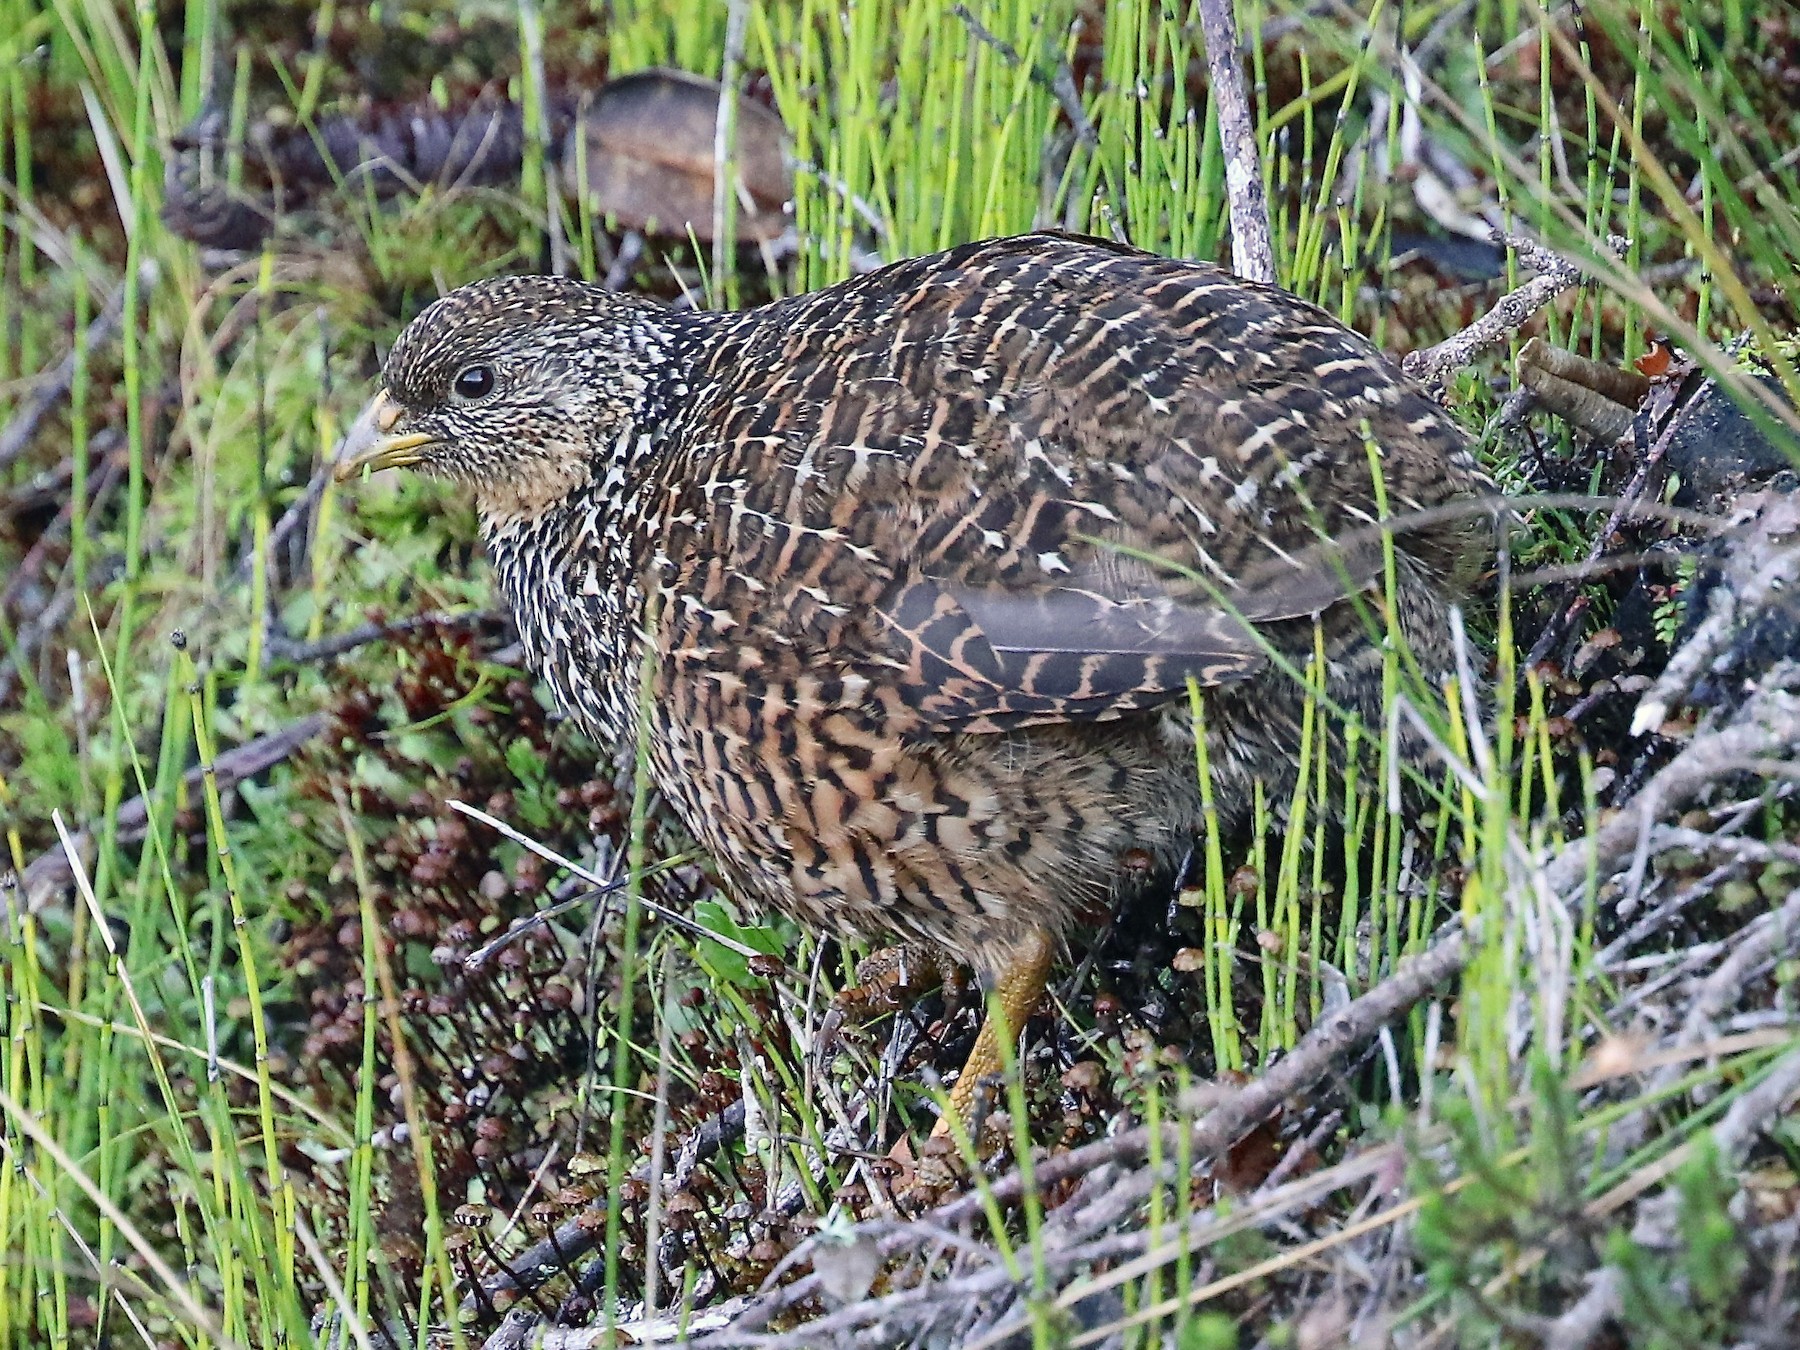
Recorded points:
473,382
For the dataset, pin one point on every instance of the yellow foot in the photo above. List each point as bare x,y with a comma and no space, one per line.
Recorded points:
1018,986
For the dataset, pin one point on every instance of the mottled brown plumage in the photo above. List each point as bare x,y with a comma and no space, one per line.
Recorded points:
918,567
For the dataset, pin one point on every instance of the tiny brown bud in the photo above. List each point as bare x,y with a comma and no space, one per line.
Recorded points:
1085,1076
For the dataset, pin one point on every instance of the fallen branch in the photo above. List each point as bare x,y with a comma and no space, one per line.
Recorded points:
1301,1068
1580,1326
540,1263
1629,501
110,468
1765,728
1059,80
1751,1113
1766,938
1306,1065
922,1307
1768,725
1755,577
284,648
297,516
574,1239
32,636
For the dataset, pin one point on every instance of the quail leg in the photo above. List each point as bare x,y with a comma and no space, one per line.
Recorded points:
1018,987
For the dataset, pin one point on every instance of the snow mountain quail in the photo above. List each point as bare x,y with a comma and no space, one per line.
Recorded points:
919,567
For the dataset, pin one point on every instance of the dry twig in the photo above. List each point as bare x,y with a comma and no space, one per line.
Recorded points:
284,648
1665,407
1766,566
53,386
108,450
1580,1326
1059,80
32,635
1554,276
1252,254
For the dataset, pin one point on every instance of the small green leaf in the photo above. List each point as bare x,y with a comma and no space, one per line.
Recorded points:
1210,1331
730,965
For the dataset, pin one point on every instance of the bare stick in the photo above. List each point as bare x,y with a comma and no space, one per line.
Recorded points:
1767,565
1252,255
1750,1114
1219,1128
284,648
1059,80
38,630
100,486
1765,725
921,1307
1580,1326
1554,276
1630,502
1769,725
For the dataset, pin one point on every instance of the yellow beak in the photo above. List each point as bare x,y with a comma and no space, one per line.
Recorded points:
370,443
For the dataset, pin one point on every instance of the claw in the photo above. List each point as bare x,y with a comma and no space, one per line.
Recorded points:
890,980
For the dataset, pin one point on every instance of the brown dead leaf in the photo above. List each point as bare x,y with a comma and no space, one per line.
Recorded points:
1615,1056
1250,1160
1656,361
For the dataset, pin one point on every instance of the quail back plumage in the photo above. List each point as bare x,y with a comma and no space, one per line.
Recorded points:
908,577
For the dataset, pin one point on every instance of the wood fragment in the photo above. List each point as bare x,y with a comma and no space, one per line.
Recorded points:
1059,79
1767,565
1318,1052
1585,1319
1622,386
284,648
727,183
1752,1113
1668,417
1580,407
32,635
110,467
